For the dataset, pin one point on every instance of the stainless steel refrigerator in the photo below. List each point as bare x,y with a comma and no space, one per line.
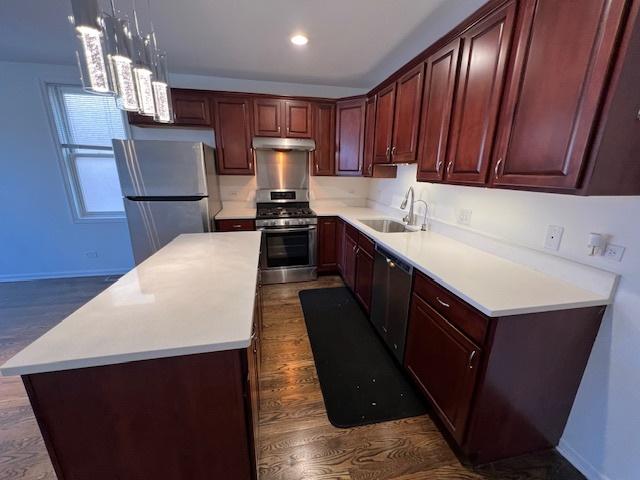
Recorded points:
168,188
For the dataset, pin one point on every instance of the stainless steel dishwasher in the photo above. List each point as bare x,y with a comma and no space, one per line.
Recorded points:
390,299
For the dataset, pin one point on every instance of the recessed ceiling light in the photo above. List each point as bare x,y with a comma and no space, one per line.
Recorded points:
299,40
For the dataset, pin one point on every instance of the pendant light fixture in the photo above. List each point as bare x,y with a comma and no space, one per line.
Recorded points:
119,48
142,64
90,51
161,90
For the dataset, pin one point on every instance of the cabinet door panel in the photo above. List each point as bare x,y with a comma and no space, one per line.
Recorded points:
384,124
561,67
439,89
234,154
480,85
267,114
364,278
325,134
369,136
298,119
444,363
340,248
327,244
404,145
349,273
191,108
349,137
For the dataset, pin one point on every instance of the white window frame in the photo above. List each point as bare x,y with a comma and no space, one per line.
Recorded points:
65,153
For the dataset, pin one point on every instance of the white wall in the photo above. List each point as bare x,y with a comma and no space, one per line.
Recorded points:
601,437
38,236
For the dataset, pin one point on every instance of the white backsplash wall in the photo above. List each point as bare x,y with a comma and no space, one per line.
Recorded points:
601,437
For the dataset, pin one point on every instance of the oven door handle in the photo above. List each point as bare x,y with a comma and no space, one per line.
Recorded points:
286,230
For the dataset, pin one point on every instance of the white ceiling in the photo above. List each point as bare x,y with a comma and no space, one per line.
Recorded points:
354,43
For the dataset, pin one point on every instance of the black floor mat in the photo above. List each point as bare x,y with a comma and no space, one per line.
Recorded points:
360,381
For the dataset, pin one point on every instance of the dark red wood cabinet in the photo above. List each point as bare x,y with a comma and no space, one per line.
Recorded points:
355,253
437,105
406,120
349,267
483,65
323,157
327,244
369,135
559,78
364,272
385,108
191,108
232,125
350,118
235,225
340,233
275,117
502,386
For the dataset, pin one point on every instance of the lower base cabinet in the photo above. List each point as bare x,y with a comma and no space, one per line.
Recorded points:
364,272
501,386
187,417
235,225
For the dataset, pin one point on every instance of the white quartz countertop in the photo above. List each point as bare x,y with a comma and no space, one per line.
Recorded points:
495,286
231,212
195,295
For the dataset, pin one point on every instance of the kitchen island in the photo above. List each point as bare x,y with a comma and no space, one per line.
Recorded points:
156,377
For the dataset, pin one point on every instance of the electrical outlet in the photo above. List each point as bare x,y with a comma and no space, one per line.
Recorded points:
613,253
92,254
553,237
464,216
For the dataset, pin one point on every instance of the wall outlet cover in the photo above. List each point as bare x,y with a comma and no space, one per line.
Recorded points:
554,237
613,253
464,216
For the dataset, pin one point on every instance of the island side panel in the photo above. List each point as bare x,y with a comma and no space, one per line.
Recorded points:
529,381
170,418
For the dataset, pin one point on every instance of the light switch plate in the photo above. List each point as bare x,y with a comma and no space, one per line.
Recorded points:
554,237
613,252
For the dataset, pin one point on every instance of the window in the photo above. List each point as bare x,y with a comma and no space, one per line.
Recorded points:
85,124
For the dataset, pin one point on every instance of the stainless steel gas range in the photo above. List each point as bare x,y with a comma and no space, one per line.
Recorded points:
288,225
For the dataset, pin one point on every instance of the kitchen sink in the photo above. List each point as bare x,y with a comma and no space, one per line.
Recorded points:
386,226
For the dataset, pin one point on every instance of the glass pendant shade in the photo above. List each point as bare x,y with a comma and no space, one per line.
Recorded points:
90,52
143,75
161,90
119,47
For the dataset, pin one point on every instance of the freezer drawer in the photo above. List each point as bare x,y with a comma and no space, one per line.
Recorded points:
153,224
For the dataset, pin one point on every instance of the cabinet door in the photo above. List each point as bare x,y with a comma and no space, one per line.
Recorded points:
369,135
234,154
480,86
327,244
443,362
349,137
384,124
191,108
439,89
298,119
561,67
267,117
235,225
404,145
340,245
323,157
364,278
349,272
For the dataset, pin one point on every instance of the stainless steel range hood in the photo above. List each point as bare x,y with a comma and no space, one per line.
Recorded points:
284,144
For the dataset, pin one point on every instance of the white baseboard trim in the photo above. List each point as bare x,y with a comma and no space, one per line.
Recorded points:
25,277
578,461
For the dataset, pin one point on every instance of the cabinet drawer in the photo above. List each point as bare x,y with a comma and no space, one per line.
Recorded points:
471,322
351,232
235,225
366,244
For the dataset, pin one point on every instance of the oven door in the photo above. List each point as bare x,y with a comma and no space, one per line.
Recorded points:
288,254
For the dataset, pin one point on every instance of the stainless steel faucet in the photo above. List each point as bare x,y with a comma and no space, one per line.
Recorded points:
410,217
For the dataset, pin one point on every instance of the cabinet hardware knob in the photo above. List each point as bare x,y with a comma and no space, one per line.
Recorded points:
471,356
354,248
638,115
438,166
449,167
237,226
393,151
444,304
497,169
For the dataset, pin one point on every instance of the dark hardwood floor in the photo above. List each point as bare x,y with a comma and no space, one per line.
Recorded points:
297,440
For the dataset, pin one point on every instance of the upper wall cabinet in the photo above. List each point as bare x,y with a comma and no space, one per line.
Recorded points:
282,118
323,157
232,125
437,103
384,124
559,79
485,47
369,135
350,117
191,108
